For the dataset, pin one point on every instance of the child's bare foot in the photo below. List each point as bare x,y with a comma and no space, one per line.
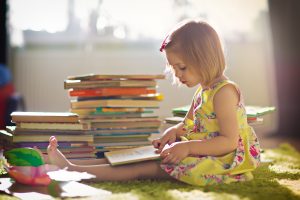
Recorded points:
55,156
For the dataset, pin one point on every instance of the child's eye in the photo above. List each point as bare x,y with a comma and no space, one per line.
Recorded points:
182,68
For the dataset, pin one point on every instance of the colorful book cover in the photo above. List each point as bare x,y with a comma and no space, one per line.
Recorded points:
85,84
110,92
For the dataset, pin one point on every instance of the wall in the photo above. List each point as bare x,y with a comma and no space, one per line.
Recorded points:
39,74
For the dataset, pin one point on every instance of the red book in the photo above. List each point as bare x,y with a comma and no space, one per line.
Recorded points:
110,92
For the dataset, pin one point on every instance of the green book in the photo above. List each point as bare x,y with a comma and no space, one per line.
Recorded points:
258,111
180,111
252,111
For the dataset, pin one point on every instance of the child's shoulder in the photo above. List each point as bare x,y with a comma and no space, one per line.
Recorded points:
225,85
227,90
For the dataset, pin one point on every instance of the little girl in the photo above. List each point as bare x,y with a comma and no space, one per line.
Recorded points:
214,143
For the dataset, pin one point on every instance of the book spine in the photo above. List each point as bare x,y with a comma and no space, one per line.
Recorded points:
63,138
110,92
115,103
49,119
54,126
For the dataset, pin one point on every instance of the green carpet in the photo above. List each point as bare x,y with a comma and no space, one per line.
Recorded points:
278,177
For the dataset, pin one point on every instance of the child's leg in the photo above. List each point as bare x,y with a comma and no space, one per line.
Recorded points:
76,161
150,169
90,161
106,172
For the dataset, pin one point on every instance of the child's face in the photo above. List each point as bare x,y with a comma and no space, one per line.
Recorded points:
186,74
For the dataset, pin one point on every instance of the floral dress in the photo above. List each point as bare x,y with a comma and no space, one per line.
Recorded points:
206,170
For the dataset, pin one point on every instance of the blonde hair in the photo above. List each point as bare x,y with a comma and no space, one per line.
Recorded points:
199,46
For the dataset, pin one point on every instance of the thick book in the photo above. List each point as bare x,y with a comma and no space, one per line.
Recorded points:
121,138
125,119
132,155
114,103
23,131
44,117
110,92
104,111
258,111
116,76
174,120
107,116
156,96
123,131
61,144
53,126
114,144
45,138
180,111
86,149
80,155
80,84
125,125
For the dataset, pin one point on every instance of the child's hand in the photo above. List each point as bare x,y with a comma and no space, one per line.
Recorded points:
175,153
169,137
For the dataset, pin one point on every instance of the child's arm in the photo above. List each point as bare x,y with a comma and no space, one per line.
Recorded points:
171,134
225,106
180,126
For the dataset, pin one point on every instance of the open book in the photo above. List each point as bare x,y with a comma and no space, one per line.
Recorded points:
132,155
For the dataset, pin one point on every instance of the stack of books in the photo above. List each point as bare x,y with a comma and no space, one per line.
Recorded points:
120,109
254,114
33,129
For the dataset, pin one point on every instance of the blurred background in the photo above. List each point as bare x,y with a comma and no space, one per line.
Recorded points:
44,41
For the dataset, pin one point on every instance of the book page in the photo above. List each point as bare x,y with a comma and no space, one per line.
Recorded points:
132,155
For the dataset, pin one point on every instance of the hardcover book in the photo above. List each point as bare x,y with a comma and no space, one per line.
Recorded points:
79,84
103,111
114,103
110,92
257,111
125,125
114,144
45,138
125,119
44,117
53,126
116,77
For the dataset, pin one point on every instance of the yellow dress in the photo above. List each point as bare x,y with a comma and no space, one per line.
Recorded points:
206,170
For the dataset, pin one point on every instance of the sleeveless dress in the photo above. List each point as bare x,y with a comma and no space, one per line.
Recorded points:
206,170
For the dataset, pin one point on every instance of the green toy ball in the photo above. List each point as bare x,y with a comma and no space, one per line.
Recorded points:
24,157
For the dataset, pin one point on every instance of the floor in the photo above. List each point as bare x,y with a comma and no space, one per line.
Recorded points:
269,140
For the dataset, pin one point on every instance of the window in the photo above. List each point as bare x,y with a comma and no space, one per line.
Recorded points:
57,22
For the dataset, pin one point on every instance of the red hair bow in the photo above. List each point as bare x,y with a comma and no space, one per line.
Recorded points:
165,43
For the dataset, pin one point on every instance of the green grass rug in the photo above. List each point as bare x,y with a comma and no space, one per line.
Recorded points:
278,177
